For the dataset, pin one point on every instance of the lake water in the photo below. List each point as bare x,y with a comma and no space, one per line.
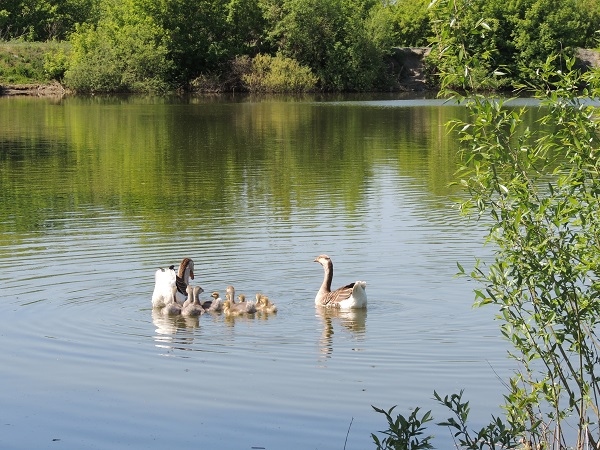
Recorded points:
97,193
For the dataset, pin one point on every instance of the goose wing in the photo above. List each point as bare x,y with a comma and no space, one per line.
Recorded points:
333,298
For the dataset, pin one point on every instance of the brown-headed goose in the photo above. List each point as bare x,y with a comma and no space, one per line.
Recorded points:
182,280
350,296
165,279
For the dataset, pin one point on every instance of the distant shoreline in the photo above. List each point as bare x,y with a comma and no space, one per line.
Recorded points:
412,81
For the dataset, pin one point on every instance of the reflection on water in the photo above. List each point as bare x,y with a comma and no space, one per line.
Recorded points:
174,332
96,194
350,321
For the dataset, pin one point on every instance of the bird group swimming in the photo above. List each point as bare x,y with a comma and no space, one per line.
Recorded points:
174,295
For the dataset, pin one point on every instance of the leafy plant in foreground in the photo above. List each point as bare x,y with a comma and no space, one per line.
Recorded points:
496,435
539,195
541,192
403,433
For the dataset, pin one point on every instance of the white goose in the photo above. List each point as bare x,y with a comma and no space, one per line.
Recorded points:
350,296
165,279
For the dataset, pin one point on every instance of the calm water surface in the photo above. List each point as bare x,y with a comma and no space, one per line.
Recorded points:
96,194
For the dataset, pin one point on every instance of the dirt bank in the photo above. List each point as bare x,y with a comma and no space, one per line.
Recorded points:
54,89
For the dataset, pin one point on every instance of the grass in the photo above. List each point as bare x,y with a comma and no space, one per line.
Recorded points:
29,62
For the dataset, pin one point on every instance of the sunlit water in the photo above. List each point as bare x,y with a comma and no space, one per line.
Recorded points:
99,193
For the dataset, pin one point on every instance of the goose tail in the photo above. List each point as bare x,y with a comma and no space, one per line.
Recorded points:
360,294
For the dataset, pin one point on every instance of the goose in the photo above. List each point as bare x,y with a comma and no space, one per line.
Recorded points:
190,296
230,292
264,304
184,275
235,309
165,279
191,291
352,295
215,305
172,308
193,308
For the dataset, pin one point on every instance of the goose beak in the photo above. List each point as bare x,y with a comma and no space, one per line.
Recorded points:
192,274
316,260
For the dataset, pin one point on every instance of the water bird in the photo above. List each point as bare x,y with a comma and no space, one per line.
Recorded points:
191,291
172,308
165,279
230,293
352,295
235,309
182,280
264,304
193,308
214,305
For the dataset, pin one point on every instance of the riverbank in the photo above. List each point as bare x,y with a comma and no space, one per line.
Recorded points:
408,62
52,89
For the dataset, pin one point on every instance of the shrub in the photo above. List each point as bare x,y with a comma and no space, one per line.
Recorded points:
56,62
277,74
331,37
124,53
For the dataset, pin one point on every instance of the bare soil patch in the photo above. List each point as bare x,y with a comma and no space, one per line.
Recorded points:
54,89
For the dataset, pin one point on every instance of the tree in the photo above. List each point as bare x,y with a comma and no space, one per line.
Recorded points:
516,36
196,34
125,52
41,20
330,37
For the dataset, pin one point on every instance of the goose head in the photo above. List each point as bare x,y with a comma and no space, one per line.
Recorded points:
186,270
195,294
242,298
324,260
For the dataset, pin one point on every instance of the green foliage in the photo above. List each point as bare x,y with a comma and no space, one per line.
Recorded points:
124,53
493,436
482,38
330,37
404,23
29,62
464,51
56,62
43,20
245,27
541,193
196,31
403,433
277,74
